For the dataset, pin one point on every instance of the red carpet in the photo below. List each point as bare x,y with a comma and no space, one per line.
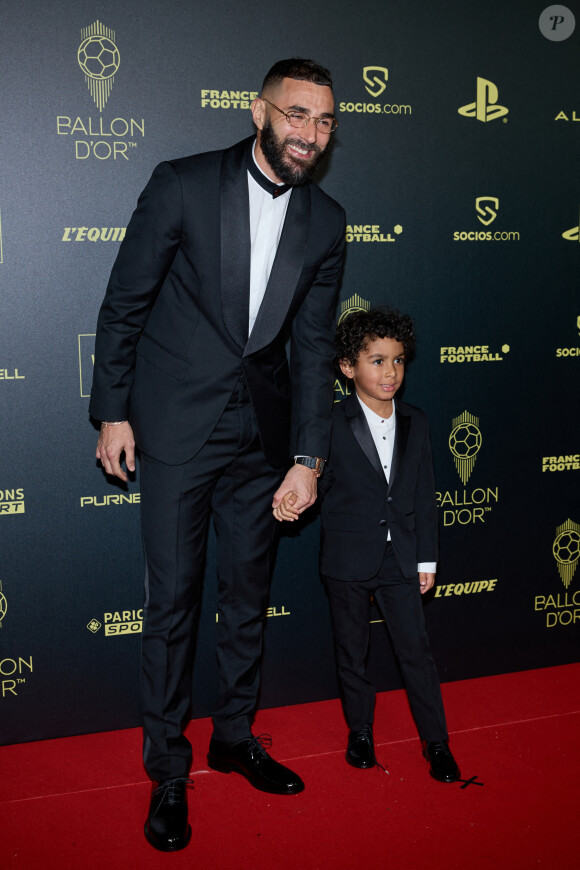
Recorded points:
81,802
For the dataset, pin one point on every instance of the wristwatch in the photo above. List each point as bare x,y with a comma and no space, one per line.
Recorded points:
313,462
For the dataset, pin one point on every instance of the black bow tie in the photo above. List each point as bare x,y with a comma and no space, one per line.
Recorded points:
264,182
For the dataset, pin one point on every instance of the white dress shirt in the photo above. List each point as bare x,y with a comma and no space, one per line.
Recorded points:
267,214
383,431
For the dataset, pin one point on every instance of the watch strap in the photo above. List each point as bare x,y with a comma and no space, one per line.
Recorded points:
313,462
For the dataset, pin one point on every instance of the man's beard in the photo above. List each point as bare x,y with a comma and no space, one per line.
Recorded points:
288,171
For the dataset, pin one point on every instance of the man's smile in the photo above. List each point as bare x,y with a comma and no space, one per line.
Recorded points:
301,151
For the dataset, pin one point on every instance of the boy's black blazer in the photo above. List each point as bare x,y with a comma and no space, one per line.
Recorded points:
359,507
172,334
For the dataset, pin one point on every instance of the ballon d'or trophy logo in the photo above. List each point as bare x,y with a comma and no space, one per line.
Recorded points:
99,59
3,605
355,303
566,550
464,443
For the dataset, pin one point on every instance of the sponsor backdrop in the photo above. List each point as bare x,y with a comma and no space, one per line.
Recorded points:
456,161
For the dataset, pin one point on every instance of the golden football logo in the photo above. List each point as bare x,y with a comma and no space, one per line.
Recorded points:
99,59
355,303
94,625
566,550
464,443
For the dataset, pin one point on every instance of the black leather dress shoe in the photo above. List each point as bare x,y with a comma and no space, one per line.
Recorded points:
249,758
442,765
167,828
360,751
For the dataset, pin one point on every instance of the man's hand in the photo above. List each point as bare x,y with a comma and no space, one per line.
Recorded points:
113,440
301,482
426,581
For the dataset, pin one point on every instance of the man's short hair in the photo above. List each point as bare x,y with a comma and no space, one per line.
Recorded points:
298,68
358,328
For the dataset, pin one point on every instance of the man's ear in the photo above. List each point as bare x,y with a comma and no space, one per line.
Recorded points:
346,368
258,109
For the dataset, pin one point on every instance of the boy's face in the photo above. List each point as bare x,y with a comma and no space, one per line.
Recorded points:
377,374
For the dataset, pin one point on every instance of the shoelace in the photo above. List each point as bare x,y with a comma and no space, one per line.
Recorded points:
366,733
169,790
379,766
433,748
258,744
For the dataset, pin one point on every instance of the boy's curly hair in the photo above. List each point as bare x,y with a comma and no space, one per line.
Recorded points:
357,329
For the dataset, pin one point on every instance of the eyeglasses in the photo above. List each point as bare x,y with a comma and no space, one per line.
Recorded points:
301,119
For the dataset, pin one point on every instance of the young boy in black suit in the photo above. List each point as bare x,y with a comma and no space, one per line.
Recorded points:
379,532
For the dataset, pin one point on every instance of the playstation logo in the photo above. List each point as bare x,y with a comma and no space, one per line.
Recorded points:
485,107
572,235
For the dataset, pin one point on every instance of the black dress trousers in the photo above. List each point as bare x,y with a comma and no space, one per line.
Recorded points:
230,479
399,601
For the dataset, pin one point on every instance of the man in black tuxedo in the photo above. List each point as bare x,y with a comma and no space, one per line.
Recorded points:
227,256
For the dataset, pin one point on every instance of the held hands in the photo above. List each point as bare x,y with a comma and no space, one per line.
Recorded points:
296,493
113,441
426,581
286,509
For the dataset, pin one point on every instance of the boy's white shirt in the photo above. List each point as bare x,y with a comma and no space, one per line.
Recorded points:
383,432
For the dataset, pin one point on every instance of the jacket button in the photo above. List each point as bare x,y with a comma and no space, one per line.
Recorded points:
382,522
389,499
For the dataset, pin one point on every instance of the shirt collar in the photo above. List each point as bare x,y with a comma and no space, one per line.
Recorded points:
260,177
375,419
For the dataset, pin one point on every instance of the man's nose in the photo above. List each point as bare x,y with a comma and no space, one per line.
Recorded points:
310,132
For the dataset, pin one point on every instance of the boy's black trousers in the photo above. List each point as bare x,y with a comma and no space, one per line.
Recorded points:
399,601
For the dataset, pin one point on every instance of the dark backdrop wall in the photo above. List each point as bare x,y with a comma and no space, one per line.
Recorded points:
456,159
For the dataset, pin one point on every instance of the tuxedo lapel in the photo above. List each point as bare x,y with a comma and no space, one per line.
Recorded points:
285,272
401,437
235,241
360,429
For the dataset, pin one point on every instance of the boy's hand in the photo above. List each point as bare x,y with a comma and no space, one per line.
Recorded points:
300,481
426,581
286,510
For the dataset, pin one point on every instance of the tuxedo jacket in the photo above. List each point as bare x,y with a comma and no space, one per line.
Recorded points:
172,335
359,506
